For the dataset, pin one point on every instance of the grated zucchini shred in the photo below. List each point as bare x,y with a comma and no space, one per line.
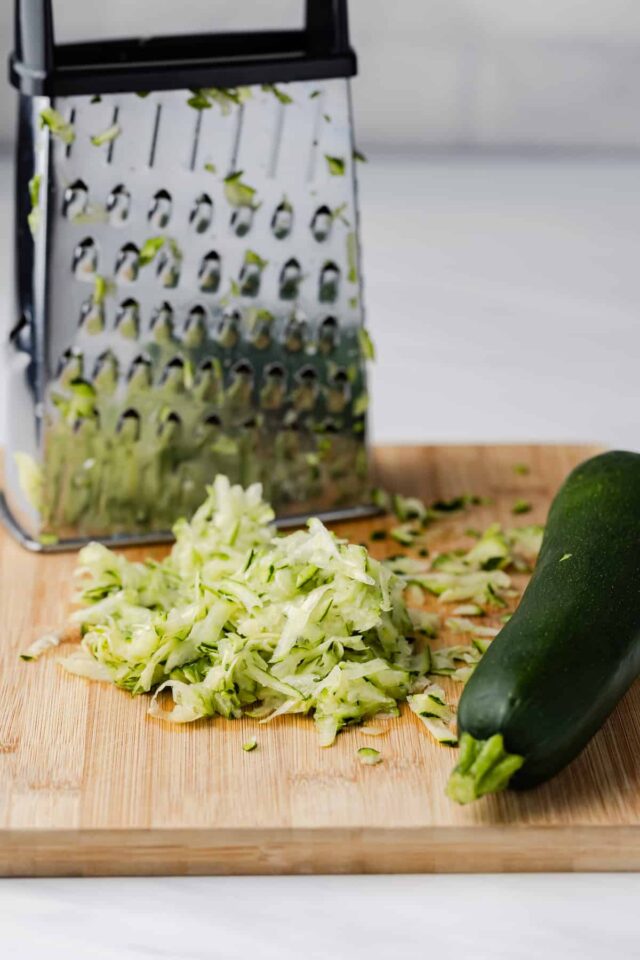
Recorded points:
107,136
41,645
57,125
369,757
435,713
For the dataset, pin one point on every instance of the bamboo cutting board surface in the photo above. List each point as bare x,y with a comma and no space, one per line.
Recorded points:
90,785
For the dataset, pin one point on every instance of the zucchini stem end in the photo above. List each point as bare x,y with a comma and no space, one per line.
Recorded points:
484,767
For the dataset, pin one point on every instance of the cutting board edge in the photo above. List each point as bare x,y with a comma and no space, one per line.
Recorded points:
193,852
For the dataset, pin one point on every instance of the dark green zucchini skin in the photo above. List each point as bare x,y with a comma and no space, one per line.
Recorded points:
572,648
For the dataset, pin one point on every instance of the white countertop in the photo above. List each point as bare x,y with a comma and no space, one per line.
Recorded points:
504,300
582,917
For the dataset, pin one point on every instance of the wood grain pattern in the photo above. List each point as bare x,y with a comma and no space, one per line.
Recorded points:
90,785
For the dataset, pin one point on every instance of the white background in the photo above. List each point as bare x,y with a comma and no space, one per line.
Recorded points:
501,223
462,73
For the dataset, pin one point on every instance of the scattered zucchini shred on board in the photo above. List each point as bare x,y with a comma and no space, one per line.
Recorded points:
41,645
435,713
478,575
237,620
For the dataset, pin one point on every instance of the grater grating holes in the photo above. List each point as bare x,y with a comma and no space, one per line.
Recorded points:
207,429
160,209
85,259
328,335
162,322
338,391
329,283
290,279
228,331
195,327
250,277
210,272
75,200
329,425
239,395
305,392
139,375
168,268
242,220
273,392
201,215
242,369
295,334
172,377
128,319
105,372
170,426
261,330
118,205
206,388
321,224
92,317
282,220
127,265
129,424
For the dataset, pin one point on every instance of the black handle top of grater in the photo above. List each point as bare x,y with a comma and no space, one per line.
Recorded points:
39,67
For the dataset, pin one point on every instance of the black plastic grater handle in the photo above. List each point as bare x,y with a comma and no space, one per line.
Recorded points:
40,67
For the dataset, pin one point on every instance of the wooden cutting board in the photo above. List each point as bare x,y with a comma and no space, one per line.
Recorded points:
90,785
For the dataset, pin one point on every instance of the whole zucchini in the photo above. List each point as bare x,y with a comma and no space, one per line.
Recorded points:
572,648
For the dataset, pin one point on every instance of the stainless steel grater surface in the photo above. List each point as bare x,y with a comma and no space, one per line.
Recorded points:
190,303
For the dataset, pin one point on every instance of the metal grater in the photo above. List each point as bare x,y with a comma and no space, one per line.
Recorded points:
189,289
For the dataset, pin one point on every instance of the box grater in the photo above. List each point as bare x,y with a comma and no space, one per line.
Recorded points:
189,296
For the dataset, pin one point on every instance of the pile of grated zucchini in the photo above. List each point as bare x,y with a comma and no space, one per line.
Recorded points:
240,621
